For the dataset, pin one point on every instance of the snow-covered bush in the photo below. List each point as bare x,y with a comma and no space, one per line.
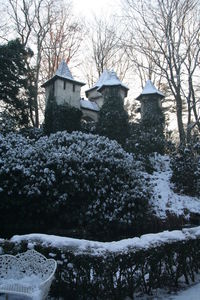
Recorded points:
7,123
32,133
185,165
146,139
70,181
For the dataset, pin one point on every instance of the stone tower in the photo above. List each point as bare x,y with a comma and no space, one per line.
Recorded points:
150,100
63,87
107,81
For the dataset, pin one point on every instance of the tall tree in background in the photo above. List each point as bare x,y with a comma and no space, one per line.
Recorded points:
13,82
48,27
161,31
103,50
63,40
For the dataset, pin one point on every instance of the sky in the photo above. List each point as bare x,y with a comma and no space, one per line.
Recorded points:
88,8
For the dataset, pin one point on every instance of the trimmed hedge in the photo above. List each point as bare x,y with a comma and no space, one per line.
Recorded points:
115,275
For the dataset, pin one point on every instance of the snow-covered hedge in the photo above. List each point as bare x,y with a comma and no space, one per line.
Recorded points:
96,270
70,181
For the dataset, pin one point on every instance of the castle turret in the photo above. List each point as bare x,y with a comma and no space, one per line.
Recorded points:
107,80
63,87
150,99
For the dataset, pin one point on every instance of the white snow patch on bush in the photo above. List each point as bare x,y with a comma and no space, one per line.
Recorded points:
165,199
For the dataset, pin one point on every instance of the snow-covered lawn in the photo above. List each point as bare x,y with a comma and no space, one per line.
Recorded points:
191,293
165,199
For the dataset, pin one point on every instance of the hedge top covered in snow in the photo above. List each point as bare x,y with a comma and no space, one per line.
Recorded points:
97,248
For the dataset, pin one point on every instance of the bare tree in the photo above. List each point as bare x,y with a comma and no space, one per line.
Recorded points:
32,19
159,31
105,40
63,40
47,26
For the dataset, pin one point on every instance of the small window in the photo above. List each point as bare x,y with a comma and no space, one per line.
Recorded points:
53,89
73,87
64,85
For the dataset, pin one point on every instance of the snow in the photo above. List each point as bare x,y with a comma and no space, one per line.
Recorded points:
192,293
108,78
89,105
63,71
150,89
98,248
165,199
27,281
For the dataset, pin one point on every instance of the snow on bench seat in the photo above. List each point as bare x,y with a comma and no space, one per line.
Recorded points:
28,274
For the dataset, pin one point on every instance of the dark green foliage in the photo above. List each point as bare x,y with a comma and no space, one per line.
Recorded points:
185,164
113,119
68,182
61,117
116,275
145,140
13,81
7,123
148,136
32,133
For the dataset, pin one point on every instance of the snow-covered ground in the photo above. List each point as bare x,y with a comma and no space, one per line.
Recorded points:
191,293
165,199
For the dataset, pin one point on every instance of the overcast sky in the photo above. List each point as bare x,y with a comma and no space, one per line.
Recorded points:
88,8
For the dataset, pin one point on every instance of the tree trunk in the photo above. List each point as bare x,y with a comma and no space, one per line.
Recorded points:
179,112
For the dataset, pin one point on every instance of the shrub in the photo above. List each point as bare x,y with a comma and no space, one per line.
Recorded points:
146,139
185,164
61,117
70,181
32,133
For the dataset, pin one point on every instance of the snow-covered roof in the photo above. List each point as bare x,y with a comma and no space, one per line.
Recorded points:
108,78
86,104
150,89
63,72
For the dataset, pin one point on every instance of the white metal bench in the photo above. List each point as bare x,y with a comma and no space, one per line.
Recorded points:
26,274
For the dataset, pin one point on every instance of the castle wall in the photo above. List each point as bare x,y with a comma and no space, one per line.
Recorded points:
149,106
90,114
70,94
95,96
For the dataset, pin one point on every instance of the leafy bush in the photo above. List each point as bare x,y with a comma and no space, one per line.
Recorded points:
61,117
7,123
70,181
146,139
185,164
32,133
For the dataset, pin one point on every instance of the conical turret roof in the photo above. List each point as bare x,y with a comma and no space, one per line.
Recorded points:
108,78
150,89
64,73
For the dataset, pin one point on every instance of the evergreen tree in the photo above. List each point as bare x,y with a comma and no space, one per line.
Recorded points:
13,81
148,136
113,119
